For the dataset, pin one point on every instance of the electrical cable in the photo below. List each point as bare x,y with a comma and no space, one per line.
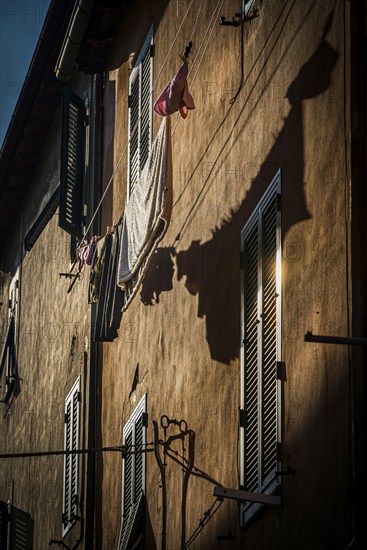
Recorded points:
206,518
127,143
217,9
198,472
192,80
124,449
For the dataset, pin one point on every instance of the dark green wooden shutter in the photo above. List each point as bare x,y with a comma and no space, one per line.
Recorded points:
72,164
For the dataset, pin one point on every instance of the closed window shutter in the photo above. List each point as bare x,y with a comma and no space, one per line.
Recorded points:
128,476
261,246
140,114
269,343
71,462
252,316
145,102
22,528
72,164
139,457
133,479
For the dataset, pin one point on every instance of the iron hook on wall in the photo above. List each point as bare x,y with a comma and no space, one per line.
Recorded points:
238,19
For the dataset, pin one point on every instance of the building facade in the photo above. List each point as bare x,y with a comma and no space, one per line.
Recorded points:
211,405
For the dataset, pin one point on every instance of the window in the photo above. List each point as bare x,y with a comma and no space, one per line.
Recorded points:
133,479
16,527
72,168
261,348
247,5
71,461
140,113
8,363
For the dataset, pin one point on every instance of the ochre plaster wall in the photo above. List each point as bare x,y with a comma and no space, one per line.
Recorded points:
183,331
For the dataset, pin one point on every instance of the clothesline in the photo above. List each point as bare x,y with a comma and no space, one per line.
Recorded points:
214,16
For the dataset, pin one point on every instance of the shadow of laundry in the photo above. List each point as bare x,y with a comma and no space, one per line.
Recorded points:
159,277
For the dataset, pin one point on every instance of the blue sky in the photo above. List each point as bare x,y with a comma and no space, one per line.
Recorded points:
20,25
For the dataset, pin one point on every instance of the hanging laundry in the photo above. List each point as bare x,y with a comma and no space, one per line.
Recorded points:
96,270
85,253
147,214
176,95
109,298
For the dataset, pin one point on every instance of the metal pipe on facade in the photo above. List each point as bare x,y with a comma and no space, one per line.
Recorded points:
96,152
73,39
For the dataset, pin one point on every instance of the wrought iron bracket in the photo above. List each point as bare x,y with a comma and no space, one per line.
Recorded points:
246,496
70,275
343,340
238,20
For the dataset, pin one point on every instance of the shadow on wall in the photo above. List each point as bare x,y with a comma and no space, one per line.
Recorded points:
159,277
211,269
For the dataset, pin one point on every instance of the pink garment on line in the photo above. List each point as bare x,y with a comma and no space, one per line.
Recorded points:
85,254
176,95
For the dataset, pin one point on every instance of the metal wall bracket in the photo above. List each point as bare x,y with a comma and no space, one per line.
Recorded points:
70,275
246,496
344,340
238,20
288,472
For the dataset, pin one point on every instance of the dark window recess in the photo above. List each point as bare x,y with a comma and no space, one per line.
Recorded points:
42,220
72,164
4,519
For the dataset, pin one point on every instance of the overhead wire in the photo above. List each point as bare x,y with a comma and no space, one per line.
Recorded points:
206,518
215,14
127,143
192,80
126,450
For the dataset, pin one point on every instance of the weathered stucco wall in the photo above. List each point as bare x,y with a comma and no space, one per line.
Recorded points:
183,331
179,342
52,352
50,357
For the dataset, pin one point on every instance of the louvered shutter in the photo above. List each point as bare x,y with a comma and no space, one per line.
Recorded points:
261,352
71,461
133,479
252,316
21,532
130,529
72,164
269,343
140,113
